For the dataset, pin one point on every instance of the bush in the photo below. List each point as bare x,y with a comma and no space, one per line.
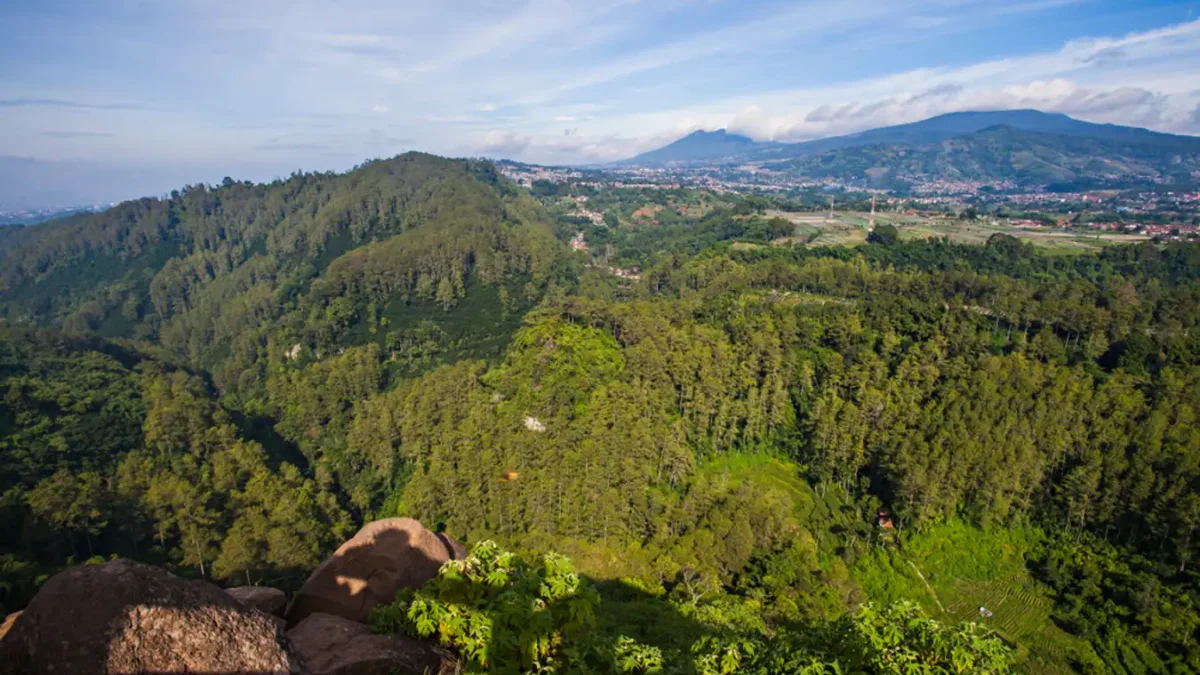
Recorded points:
505,616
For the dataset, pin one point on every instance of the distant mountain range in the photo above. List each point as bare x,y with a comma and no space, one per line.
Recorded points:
1026,146
701,146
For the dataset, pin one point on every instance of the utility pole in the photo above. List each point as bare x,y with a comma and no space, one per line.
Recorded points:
871,220
831,200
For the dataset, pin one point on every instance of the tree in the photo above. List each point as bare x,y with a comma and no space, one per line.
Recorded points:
498,612
886,235
72,505
284,523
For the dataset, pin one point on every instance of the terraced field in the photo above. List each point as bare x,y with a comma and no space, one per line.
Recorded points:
967,569
1020,614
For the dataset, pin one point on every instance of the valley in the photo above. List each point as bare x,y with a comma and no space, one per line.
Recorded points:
731,430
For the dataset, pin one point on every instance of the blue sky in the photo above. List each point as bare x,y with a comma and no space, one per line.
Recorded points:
191,90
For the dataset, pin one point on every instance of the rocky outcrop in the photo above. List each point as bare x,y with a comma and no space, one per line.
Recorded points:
331,645
382,558
8,624
456,550
263,598
124,617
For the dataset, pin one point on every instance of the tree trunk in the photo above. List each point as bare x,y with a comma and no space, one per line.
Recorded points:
200,557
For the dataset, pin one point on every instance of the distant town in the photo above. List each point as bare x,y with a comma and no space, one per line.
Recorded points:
1161,212
32,216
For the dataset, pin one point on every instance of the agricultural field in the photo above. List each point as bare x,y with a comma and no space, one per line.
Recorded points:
955,570
849,228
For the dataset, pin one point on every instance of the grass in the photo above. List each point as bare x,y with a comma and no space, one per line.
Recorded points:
968,568
829,515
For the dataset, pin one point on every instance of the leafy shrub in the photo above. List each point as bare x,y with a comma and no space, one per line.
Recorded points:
505,616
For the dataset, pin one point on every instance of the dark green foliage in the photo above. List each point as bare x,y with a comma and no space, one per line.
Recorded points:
69,403
886,235
683,237
1137,623
208,271
712,439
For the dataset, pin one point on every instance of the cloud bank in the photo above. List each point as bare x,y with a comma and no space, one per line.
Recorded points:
304,85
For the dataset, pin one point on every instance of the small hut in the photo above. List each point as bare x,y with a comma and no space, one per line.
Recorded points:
885,520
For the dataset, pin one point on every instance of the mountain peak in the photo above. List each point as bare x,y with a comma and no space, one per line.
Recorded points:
720,146
696,146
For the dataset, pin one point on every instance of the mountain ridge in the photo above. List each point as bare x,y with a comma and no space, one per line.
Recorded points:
701,146
697,146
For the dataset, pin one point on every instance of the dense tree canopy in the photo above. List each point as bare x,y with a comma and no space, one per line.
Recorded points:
228,380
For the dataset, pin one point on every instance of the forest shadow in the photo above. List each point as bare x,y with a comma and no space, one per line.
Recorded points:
261,429
648,618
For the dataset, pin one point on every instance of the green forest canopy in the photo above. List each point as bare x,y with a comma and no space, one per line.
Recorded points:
229,380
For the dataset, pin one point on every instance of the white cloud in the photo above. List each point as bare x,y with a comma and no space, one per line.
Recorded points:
560,80
1143,79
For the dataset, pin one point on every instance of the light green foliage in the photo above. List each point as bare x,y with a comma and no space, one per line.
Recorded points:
501,614
71,504
965,568
899,639
283,523
313,402
196,482
505,616
894,640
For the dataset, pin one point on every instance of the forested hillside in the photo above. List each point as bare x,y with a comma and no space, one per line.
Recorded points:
1027,147
1004,153
748,451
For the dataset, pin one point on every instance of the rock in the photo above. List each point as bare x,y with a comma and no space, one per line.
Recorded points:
382,558
263,598
8,624
456,550
128,618
331,645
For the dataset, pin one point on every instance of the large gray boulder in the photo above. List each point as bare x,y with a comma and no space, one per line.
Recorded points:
124,617
332,645
382,558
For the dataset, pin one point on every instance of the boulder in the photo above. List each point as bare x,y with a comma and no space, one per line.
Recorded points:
382,558
263,598
8,624
331,645
456,550
128,618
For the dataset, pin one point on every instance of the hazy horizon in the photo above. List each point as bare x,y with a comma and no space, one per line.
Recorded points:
118,99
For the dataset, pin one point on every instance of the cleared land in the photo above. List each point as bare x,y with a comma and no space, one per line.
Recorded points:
849,228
